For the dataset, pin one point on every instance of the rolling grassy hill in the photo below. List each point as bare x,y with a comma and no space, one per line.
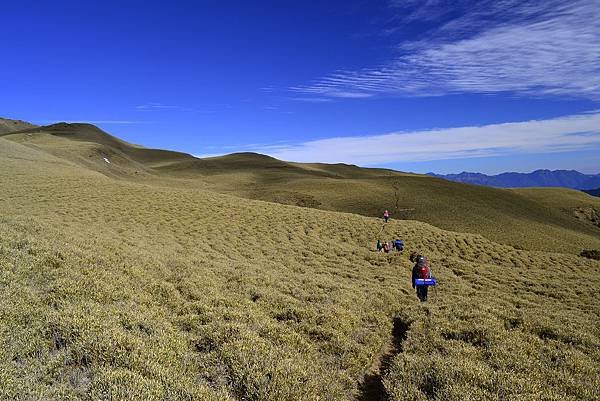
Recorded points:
500,215
128,290
93,149
7,125
572,203
510,217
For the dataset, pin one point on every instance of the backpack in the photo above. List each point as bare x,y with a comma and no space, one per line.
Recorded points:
424,272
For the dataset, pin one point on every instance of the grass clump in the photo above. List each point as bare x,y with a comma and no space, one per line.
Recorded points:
591,254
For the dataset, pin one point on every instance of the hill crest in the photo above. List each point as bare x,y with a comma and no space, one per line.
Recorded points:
8,125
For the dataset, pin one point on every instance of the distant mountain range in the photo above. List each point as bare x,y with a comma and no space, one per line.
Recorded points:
539,178
593,192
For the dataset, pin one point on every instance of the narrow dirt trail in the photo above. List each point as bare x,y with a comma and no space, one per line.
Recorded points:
372,388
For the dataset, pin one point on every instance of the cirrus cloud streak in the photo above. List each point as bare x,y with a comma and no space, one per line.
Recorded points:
537,48
568,133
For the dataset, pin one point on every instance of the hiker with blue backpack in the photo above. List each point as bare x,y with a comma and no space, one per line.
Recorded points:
421,277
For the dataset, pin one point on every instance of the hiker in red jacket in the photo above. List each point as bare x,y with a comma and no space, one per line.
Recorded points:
421,270
386,216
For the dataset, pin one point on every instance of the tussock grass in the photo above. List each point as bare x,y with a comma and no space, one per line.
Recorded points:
111,289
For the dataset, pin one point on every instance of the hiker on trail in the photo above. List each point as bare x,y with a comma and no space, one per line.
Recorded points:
421,270
379,245
399,245
386,216
386,247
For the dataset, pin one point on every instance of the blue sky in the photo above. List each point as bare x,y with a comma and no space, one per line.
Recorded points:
431,85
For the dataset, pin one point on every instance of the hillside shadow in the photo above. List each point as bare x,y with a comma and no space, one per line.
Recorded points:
372,388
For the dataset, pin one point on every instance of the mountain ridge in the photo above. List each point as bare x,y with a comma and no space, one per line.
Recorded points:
7,125
539,178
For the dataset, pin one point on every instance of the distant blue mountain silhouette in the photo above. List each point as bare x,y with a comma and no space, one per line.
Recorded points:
539,178
594,192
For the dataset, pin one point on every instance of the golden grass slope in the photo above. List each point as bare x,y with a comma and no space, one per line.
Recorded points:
498,214
111,289
7,125
505,216
579,204
94,149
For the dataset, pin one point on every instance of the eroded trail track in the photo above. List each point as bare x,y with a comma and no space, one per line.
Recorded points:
372,388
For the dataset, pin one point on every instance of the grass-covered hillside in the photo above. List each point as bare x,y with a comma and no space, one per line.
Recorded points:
498,214
522,219
7,125
585,207
145,289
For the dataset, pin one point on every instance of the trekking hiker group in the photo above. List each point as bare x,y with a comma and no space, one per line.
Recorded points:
388,246
421,278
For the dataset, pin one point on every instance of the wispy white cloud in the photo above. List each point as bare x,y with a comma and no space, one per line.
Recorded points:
310,99
148,107
157,106
575,132
116,122
536,48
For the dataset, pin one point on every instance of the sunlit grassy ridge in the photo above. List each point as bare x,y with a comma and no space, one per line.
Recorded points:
7,125
516,218
124,290
584,207
498,214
